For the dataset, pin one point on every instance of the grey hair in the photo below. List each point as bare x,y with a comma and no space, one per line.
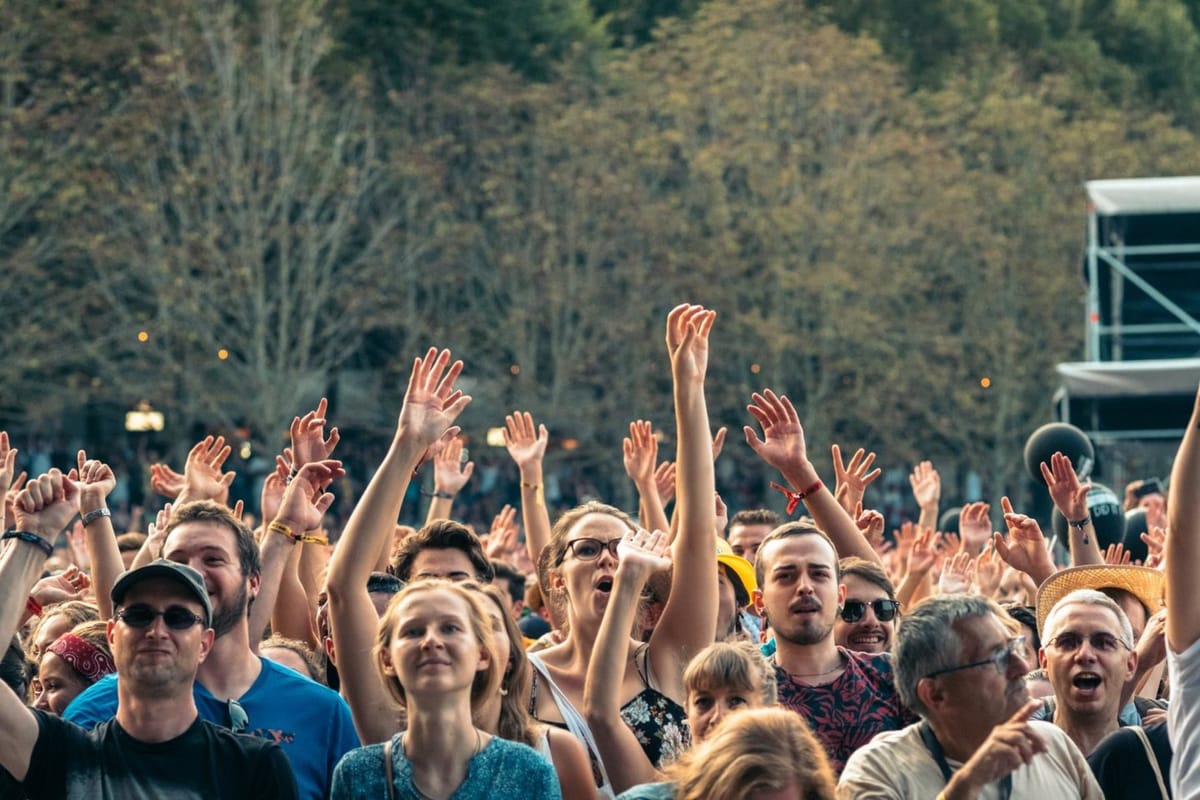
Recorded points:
1090,597
928,641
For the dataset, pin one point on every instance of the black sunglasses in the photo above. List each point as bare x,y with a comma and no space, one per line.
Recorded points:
588,549
239,720
177,618
885,610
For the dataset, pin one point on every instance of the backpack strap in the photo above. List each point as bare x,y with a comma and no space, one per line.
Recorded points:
1153,759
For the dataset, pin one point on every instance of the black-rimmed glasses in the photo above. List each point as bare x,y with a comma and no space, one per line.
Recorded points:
1101,642
588,549
177,618
885,610
1001,659
239,720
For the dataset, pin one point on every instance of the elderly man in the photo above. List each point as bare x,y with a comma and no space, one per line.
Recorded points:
960,668
156,745
867,622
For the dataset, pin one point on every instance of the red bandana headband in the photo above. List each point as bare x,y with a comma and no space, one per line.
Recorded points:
83,656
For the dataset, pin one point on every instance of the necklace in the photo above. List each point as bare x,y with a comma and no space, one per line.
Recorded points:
413,777
775,663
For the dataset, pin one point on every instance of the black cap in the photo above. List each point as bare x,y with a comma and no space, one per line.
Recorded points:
182,574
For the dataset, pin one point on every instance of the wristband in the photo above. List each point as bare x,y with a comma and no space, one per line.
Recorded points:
794,498
33,606
1080,524
31,538
536,487
442,495
282,530
95,514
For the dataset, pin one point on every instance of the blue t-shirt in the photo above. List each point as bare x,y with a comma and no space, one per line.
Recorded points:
503,769
311,722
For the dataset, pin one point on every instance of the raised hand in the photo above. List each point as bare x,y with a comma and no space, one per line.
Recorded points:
719,442
975,526
1156,541
922,550
722,512
96,481
502,539
1025,548
1116,554
202,475
640,453
11,490
688,327
8,462
46,505
1007,748
450,474
664,480
431,403
853,478
782,445
274,485
957,574
166,481
989,569
1068,494
305,500
70,584
870,522
77,545
926,485
643,552
309,442
526,443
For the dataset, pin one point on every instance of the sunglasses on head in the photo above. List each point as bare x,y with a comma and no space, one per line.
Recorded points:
239,720
177,618
885,610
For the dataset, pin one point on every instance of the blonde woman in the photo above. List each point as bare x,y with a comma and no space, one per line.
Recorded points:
436,657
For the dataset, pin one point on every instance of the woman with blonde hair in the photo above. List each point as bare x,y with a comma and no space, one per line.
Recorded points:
754,755
436,657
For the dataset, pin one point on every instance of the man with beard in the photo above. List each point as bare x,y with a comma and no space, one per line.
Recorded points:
867,622
958,665
234,686
156,745
845,697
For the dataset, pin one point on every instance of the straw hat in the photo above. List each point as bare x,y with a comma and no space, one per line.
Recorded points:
1144,583
740,566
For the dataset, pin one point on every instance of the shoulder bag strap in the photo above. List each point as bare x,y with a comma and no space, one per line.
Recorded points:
387,769
1153,759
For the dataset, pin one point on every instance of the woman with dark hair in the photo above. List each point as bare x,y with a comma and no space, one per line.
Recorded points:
72,663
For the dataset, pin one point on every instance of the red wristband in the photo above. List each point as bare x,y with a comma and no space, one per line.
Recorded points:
794,498
33,607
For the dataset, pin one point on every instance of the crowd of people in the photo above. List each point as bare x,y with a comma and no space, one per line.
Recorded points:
670,651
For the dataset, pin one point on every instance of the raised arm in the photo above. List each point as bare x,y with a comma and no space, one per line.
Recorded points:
1025,548
526,445
927,491
96,482
450,475
689,618
640,554
41,511
853,478
1070,498
431,405
783,447
202,475
640,455
1183,542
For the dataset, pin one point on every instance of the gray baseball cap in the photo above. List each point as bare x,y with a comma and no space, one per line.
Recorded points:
182,574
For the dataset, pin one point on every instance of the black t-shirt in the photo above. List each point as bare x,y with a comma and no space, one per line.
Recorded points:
1122,769
206,762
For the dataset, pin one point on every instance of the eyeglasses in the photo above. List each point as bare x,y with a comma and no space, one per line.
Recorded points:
1069,642
885,610
239,720
1001,659
587,549
177,618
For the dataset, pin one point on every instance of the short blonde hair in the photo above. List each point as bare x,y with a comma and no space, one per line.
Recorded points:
753,750
481,628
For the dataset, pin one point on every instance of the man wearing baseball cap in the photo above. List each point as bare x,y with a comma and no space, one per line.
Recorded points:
156,745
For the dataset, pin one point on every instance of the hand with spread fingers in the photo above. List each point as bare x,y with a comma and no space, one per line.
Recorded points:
853,478
1025,548
202,475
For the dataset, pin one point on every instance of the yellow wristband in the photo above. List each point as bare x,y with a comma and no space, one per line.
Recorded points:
283,530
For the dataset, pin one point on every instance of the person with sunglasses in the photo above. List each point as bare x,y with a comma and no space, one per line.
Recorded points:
156,745
959,666
867,621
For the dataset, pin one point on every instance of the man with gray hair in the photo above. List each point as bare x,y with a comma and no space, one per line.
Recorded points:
959,666
1087,653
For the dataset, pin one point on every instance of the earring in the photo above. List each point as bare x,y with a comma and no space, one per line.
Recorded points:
503,692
